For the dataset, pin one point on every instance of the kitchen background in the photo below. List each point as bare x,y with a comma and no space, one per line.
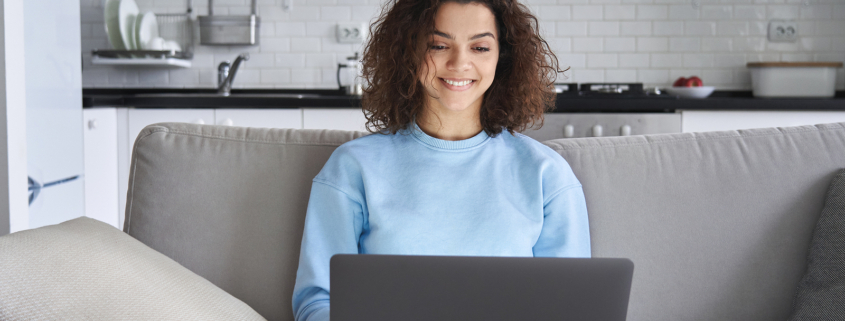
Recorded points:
648,41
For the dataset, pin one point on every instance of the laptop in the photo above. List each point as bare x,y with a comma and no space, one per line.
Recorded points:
407,288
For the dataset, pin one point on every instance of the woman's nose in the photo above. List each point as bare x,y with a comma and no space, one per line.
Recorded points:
459,60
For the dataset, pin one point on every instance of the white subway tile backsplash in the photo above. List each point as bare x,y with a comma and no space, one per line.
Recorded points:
652,41
684,44
627,44
587,44
620,12
667,60
587,12
603,28
732,29
648,44
633,60
290,28
716,44
635,28
574,28
668,28
716,12
750,12
698,60
652,12
700,28
602,61
620,75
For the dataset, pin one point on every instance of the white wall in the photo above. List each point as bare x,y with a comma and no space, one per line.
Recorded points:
649,41
13,167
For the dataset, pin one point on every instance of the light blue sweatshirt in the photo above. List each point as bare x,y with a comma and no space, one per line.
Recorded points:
410,193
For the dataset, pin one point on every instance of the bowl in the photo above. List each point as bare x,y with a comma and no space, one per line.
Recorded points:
691,92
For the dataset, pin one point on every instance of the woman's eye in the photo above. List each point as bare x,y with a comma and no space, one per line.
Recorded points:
438,47
482,49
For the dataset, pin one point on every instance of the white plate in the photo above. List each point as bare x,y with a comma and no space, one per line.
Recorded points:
146,28
691,92
110,14
127,11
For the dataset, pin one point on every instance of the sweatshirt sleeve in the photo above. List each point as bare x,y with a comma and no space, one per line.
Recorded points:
566,228
333,225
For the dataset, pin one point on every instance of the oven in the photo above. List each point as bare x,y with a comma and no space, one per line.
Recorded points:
599,109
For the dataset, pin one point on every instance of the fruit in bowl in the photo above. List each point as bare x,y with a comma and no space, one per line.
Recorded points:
691,87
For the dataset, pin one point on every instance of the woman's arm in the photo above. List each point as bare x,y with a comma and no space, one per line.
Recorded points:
566,228
333,224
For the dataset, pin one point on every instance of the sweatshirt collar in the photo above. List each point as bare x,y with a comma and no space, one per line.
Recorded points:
424,138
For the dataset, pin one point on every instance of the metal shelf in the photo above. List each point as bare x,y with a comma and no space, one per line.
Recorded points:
141,58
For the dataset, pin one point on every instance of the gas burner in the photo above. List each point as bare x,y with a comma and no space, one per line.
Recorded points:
605,90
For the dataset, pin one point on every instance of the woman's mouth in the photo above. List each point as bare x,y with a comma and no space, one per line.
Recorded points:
457,84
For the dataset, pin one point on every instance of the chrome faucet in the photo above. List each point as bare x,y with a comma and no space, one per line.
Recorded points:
226,74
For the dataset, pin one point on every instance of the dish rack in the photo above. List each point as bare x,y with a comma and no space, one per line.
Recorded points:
176,26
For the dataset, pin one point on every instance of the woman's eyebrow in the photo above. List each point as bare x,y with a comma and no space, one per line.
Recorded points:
448,36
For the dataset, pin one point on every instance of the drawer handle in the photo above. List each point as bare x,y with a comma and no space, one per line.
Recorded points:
597,131
92,124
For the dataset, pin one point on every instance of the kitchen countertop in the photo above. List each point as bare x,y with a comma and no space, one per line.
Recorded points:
329,98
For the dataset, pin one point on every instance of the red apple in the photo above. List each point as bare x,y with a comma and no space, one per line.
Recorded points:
680,82
693,81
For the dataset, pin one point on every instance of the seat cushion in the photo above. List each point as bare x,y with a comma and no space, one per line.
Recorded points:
821,293
84,269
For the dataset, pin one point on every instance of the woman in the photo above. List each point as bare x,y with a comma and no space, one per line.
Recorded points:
446,174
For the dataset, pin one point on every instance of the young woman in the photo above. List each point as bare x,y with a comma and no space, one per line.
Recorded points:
451,84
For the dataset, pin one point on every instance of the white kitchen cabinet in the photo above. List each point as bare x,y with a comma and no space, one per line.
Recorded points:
334,118
701,121
263,118
100,165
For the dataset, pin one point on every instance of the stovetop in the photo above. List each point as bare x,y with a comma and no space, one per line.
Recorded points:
609,91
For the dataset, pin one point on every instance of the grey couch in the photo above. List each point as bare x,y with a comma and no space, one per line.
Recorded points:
717,224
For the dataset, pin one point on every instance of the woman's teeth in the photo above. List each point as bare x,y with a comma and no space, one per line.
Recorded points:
457,83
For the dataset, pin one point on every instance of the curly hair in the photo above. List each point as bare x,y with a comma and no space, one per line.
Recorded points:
523,85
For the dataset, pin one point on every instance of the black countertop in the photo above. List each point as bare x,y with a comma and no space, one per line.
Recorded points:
328,98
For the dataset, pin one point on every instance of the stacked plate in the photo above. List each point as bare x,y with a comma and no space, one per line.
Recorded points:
129,30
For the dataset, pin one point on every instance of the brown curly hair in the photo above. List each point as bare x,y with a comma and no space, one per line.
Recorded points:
523,85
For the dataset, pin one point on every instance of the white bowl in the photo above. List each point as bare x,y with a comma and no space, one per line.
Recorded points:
691,92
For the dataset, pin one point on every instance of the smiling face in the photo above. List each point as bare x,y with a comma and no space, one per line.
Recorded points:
461,59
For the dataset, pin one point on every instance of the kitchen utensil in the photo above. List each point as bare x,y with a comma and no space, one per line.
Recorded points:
146,29
793,79
229,30
156,43
127,12
691,92
353,84
111,17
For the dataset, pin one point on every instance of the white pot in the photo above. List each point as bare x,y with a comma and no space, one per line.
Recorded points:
793,79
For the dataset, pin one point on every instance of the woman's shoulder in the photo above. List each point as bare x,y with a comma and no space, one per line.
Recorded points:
532,148
555,171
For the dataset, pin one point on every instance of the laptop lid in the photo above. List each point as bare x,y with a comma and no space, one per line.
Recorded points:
406,287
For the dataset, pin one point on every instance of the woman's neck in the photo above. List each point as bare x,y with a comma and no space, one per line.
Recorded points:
451,126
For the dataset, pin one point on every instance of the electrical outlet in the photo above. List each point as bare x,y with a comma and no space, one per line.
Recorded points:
351,32
783,31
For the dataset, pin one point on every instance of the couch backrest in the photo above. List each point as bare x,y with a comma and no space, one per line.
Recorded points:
717,224
228,203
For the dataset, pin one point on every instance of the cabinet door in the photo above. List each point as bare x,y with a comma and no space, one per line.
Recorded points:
702,121
100,164
264,118
334,118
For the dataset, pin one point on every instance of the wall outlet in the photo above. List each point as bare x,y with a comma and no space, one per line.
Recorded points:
783,31
351,32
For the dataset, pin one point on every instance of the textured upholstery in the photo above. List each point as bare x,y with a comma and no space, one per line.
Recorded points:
228,203
718,224
84,269
821,293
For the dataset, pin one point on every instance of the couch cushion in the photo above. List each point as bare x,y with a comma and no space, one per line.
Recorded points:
821,293
228,203
717,224
84,269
